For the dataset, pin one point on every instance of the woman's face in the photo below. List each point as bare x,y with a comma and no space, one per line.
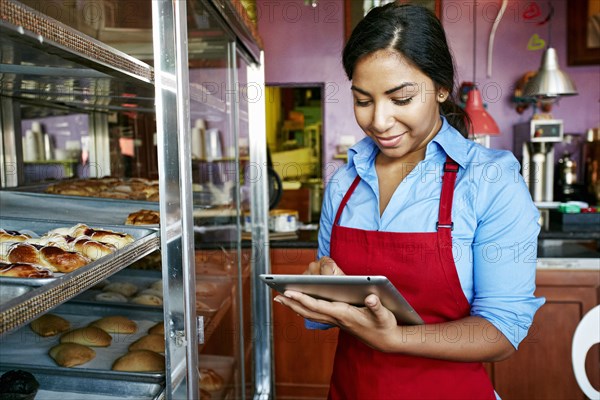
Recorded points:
396,104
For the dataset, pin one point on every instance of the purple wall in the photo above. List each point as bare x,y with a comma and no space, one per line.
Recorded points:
304,44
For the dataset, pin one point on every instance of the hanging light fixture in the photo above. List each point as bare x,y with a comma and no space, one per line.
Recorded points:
550,81
482,123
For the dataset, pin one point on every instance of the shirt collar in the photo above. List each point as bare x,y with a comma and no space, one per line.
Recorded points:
448,139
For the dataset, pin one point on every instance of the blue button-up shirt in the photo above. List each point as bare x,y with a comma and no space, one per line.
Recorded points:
495,221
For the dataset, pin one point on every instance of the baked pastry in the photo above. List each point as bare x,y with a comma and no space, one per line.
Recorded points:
18,385
157,285
88,336
210,380
148,300
49,325
92,249
202,306
143,217
206,289
140,361
154,343
125,288
71,354
112,297
62,260
158,329
115,324
152,292
24,270
117,239
23,253
12,236
205,395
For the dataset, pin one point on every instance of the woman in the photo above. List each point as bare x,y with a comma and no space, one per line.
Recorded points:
449,222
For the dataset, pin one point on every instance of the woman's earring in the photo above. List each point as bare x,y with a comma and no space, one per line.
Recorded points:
442,96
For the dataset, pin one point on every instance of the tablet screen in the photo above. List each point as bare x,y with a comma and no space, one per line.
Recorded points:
351,289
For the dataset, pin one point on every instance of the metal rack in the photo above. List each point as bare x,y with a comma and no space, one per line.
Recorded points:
47,63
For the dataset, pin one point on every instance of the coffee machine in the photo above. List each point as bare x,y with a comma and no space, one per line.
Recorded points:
534,147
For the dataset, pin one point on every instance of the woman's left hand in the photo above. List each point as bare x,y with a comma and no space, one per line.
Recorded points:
373,324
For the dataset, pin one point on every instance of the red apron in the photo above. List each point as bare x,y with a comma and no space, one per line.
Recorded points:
422,267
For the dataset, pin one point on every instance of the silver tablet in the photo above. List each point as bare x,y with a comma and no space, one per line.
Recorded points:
351,289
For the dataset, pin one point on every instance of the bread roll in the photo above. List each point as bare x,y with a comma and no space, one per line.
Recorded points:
148,300
92,249
112,297
140,361
119,240
154,343
49,325
88,336
206,289
62,260
12,236
158,329
115,324
210,380
24,270
153,292
125,288
71,354
143,217
157,285
24,253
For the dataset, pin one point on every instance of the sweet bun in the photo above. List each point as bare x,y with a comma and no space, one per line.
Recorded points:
148,300
88,336
71,354
210,380
12,236
154,343
23,253
92,249
24,270
119,240
157,285
62,260
206,289
125,288
202,306
112,297
143,217
158,329
140,361
115,324
49,325
153,292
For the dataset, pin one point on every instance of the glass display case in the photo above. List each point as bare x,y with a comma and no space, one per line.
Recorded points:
172,102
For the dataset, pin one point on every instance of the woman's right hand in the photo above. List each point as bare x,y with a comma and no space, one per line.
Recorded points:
324,266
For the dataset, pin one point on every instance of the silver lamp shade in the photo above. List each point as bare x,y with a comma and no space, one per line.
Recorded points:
550,81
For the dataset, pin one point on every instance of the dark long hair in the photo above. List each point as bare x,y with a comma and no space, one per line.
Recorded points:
417,34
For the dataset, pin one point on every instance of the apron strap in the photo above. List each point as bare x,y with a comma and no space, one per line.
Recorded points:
448,181
345,199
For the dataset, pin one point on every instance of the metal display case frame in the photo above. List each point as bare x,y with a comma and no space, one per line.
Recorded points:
69,52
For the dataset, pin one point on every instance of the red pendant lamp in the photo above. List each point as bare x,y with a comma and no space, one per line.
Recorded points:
482,122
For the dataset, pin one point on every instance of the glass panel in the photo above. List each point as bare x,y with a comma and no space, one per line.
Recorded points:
217,199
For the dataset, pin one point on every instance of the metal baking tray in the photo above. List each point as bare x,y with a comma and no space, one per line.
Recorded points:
55,291
24,349
91,210
141,278
38,228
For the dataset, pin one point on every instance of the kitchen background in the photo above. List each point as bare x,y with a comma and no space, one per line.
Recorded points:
303,45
